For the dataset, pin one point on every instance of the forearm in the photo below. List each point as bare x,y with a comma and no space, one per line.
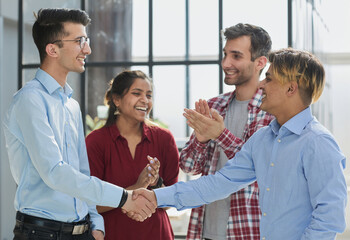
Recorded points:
229,143
195,155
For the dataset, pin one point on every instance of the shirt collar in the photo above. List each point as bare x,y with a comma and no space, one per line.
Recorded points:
255,101
50,84
114,131
296,124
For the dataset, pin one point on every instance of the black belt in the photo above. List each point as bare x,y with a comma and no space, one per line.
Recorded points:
75,228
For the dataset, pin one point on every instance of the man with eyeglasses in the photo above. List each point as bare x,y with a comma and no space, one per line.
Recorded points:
56,196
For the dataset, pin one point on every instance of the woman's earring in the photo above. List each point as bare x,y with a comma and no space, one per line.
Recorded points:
116,112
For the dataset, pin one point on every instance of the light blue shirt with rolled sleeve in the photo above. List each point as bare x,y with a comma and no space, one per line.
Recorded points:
47,153
299,170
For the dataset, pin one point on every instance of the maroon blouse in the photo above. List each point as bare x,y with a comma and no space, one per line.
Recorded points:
110,160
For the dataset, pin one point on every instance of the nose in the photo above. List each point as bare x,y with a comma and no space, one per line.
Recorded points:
144,98
225,63
87,49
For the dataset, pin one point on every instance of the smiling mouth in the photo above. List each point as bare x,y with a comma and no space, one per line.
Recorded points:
231,72
82,60
144,109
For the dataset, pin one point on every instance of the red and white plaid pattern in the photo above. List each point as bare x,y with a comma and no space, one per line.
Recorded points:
198,158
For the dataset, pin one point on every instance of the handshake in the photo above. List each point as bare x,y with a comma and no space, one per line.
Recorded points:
140,204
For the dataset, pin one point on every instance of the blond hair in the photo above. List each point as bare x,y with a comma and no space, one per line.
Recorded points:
301,66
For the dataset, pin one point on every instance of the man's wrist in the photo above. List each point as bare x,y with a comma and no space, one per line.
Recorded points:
158,185
123,198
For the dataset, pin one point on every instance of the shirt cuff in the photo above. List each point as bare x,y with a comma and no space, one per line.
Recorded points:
199,145
112,195
165,196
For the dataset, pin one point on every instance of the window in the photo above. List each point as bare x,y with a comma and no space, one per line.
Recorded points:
176,42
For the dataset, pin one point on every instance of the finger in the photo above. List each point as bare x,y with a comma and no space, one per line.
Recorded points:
190,115
150,159
202,107
156,162
197,106
207,109
134,195
148,210
216,115
137,217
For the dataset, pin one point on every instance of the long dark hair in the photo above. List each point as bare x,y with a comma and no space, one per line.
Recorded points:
118,87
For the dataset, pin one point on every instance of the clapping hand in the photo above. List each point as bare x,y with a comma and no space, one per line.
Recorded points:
149,175
206,122
153,170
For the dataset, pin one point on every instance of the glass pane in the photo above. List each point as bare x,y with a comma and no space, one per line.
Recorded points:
169,98
28,74
341,115
140,30
169,29
335,14
98,79
111,30
204,29
30,52
203,82
256,12
144,69
227,88
74,82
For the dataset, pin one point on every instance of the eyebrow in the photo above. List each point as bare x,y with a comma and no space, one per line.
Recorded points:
140,90
233,51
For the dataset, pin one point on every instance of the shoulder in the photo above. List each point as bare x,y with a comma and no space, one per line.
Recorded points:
31,91
221,98
156,130
220,102
159,134
98,136
316,132
319,144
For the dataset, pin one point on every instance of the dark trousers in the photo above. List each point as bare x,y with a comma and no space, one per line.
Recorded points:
34,228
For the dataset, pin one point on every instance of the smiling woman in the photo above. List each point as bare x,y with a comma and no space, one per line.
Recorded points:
120,153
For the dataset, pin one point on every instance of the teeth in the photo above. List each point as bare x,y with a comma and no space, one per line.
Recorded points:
231,72
141,108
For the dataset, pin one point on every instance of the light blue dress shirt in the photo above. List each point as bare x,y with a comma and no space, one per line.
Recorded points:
299,170
47,153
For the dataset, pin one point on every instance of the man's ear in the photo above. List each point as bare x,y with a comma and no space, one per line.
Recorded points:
292,88
261,62
51,50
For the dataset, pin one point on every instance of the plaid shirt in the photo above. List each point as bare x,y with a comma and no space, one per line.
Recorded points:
202,158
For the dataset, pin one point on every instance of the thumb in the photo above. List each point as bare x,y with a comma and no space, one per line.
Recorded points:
215,115
134,195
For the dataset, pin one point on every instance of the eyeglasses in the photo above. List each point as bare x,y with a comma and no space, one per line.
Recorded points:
81,40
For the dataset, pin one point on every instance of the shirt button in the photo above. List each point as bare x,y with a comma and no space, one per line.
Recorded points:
263,238
267,189
279,140
272,164
264,214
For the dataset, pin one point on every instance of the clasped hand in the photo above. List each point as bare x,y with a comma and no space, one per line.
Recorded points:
139,207
145,204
